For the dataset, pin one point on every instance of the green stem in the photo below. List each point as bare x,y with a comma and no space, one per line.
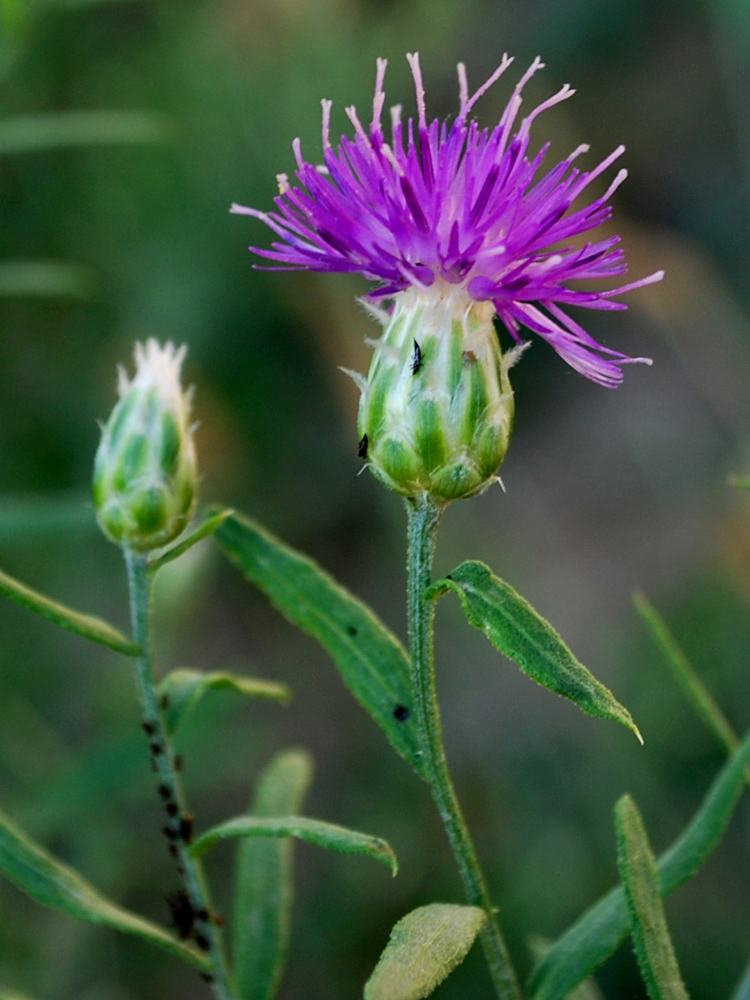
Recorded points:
179,825
424,517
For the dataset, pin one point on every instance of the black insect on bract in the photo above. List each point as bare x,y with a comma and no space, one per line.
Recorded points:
183,916
362,447
416,359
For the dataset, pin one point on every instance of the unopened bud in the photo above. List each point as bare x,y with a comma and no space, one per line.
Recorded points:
436,411
145,469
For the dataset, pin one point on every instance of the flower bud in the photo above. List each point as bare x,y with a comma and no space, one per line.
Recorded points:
436,411
145,469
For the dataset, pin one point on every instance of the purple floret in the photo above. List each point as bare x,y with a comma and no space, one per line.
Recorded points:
459,205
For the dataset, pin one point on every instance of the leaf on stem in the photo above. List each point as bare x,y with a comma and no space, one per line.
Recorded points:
52,883
424,948
597,934
46,279
209,526
372,662
686,675
264,881
314,831
88,626
182,689
69,129
518,631
742,992
648,923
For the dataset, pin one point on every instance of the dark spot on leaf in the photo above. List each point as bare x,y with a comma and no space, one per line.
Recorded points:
172,808
148,729
202,941
178,762
164,791
401,712
165,701
351,629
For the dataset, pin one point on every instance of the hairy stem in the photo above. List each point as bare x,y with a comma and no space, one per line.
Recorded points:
424,517
195,915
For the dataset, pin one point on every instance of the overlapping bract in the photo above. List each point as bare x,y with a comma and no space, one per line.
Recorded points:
462,205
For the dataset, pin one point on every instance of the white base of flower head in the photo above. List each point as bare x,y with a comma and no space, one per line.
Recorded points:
436,410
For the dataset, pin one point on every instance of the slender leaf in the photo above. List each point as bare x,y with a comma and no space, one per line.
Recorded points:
52,883
264,881
314,831
371,660
518,631
182,689
66,129
687,677
46,279
209,526
86,625
424,948
742,992
597,934
648,923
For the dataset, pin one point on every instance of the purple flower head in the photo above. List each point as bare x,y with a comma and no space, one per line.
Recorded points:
458,205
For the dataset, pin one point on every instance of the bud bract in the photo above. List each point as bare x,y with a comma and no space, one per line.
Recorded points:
145,469
436,411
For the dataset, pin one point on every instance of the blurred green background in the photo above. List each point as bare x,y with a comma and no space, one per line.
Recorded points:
128,127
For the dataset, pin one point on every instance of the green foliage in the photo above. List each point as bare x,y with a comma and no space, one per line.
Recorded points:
46,279
9,995
518,631
371,660
424,948
648,923
687,677
742,992
209,526
66,129
314,831
54,884
596,935
88,626
264,881
182,689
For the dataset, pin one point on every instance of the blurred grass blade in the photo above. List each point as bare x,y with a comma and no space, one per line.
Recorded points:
27,518
182,689
53,884
88,626
46,279
742,992
521,634
686,676
648,923
424,948
264,886
70,129
11,995
371,660
314,831
596,935
209,526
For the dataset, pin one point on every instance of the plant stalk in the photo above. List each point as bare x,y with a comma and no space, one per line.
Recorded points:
201,921
424,518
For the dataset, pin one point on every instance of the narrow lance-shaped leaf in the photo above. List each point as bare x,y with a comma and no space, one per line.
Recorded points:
742,992
46,279
314,831
687,677
263,891
88,626
52,883
66,129
597,934
182,689
648,923
518,631
424,948
371,660
209,526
